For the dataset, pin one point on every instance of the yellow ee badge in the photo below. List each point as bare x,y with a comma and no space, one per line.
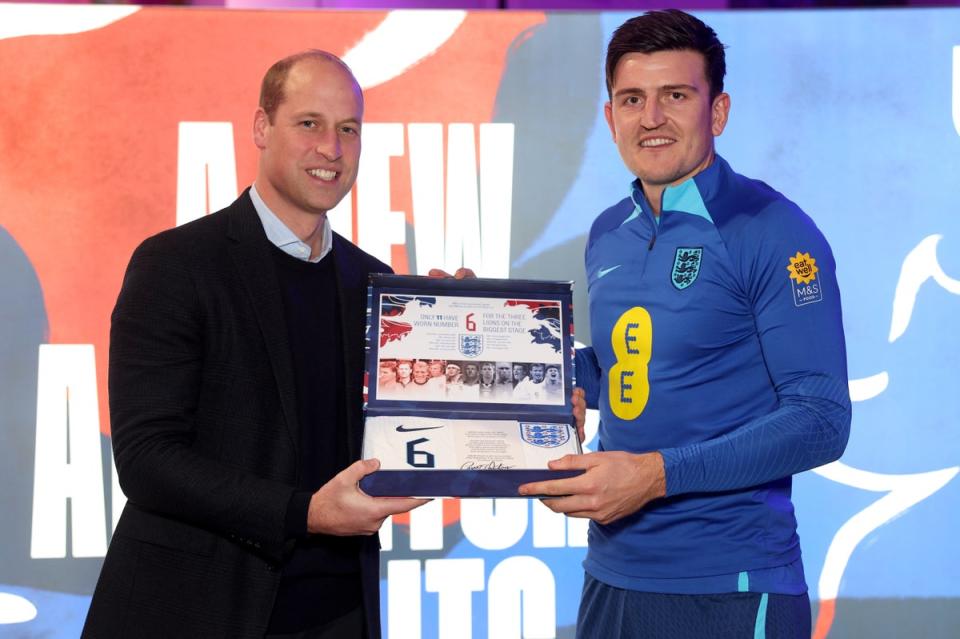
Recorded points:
803,279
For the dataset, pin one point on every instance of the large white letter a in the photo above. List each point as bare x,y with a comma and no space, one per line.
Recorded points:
67,461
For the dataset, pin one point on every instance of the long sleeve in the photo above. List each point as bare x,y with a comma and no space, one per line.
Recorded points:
798,321
588,375
171,446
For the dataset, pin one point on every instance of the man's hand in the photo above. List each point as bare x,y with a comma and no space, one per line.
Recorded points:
461,274
341,508
579,400
615,484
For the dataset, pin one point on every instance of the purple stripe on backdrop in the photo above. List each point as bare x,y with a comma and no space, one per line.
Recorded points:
557,5
539,5
520,5
580,5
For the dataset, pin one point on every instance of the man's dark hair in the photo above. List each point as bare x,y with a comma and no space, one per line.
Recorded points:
668,30
275,79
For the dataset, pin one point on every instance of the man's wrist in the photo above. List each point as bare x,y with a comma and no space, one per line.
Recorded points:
653,469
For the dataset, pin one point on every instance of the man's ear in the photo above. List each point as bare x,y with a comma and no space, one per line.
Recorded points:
720,113
261,128
608,114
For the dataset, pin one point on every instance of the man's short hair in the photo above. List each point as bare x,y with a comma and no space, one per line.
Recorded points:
275,79
668,30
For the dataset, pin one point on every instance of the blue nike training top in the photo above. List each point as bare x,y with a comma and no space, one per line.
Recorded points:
718,341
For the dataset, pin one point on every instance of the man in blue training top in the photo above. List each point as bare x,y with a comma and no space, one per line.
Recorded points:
718,365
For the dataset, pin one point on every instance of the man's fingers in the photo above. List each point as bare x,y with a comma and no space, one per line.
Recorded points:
360,469
582,506
560,464
578,399
571,506
461,274
573,462
397,505
566,486
464,273
556,504
580,514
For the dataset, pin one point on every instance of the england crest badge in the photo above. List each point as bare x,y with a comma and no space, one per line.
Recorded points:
471,345
545,435
686,266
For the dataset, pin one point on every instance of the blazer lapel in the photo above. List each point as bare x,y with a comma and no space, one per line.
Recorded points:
250,251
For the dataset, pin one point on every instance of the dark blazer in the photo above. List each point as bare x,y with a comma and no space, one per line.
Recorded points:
205,431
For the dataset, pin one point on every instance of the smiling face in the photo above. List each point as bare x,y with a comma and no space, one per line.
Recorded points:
662,118
421,372
436,368
553,374
536,373
310,148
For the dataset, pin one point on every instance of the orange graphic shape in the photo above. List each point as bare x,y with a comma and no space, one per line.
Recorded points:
91,126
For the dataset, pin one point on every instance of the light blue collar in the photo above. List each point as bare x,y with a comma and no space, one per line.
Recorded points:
283,238
686,197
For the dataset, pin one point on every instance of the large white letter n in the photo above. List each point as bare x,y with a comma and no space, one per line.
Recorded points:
206,169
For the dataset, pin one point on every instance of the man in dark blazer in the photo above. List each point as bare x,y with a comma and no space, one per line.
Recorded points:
236,372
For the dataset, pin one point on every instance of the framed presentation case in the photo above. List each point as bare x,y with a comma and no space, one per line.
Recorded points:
468,385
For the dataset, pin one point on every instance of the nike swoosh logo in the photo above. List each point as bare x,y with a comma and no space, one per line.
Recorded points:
605,271
403,429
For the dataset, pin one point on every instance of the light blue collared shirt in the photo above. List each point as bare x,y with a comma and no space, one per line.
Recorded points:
283,238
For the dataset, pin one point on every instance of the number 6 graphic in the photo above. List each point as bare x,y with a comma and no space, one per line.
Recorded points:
419,458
